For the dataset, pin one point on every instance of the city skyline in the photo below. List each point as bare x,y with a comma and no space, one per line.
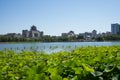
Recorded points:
26,31
57,16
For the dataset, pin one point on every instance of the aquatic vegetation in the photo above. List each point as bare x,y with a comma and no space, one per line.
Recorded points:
84,63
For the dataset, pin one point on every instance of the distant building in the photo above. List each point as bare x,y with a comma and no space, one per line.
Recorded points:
33,33
94,33
82,34
64,34
88,35
115,28
25,33
69,34
108,33
15,35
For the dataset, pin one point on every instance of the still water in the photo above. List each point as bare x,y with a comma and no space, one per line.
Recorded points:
52,46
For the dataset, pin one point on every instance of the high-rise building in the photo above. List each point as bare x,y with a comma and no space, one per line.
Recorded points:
115,28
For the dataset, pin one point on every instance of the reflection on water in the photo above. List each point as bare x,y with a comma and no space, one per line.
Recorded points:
51,47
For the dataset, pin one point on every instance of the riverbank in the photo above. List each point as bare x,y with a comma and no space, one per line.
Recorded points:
84,63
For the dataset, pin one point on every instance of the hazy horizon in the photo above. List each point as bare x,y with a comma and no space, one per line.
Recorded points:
54,17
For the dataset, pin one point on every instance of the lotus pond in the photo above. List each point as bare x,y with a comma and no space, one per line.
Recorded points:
83,63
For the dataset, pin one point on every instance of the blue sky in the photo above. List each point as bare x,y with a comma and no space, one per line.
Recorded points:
57,16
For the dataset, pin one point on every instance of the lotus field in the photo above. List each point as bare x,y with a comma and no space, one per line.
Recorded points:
84,63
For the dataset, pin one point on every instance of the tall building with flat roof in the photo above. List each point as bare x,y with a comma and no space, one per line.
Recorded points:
115,28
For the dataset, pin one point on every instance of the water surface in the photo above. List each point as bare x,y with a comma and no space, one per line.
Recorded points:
52,46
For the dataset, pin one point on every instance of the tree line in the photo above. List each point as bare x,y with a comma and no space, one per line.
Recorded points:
58,39
40,39
108,38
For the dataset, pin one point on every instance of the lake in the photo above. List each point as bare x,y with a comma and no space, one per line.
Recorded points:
52,46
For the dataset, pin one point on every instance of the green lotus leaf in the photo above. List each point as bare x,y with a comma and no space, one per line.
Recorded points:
56,77
115,77
101,78
118,67
109,68
97,73
87,67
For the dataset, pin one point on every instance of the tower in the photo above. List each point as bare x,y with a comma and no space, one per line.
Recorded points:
115,28
33,28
